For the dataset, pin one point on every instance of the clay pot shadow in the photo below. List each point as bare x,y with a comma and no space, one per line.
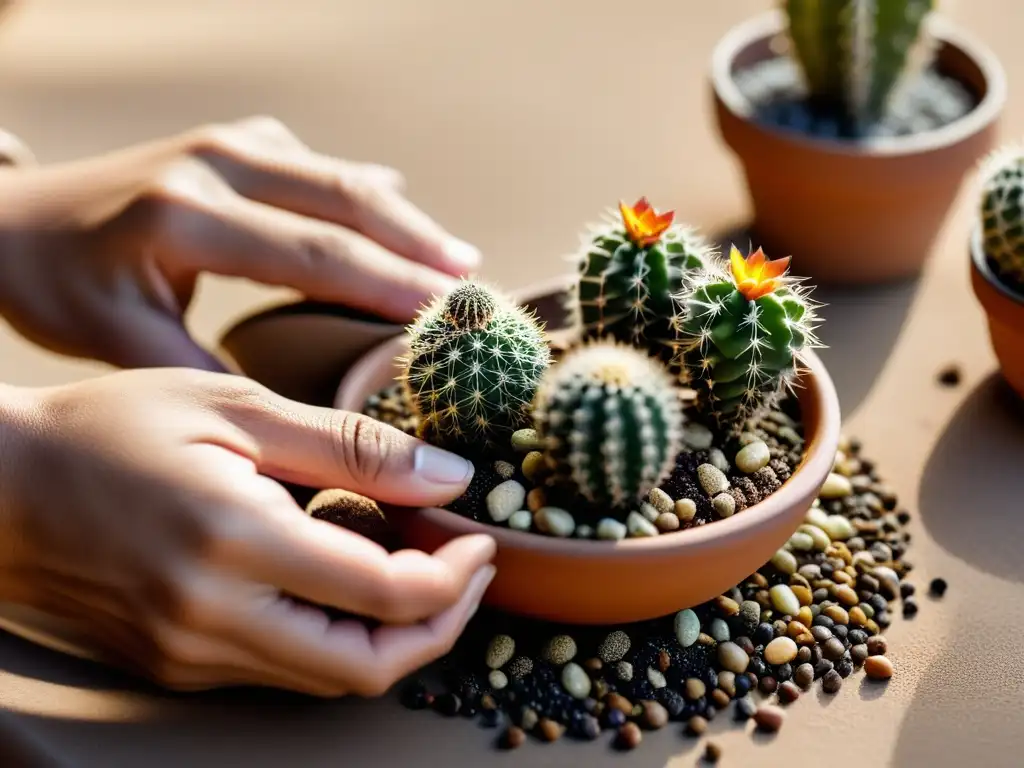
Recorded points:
860,325
971,489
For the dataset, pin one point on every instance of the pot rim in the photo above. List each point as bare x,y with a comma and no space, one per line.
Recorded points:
773,23
982,267
818,460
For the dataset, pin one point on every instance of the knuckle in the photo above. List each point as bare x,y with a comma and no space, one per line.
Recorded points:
359,446
183,181
266,125
316,251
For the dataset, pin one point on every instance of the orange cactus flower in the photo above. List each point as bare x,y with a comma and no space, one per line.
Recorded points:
644,224
756,275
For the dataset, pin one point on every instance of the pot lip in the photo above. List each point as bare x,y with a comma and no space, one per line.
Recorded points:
982,267
818,461
773,22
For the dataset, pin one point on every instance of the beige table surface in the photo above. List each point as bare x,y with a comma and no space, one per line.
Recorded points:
516,121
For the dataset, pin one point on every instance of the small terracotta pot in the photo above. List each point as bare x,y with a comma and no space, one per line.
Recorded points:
599,582
1005,309
854,212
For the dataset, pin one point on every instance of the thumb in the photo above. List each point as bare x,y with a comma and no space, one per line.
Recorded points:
329,448
152,339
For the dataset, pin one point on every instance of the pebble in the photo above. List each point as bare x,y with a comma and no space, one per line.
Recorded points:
803,594
497,679
685,509
697,725
576,680
769,717
648,511
724,505
533,464
780,651
712,479
837,614
550,730
784,601
745,708
712,752
785,562
526,440
610,529
719,630
821,634
589,727
847,594
888,582
752,457
732,658
831,682
513,737
536,499
529,719
667,522
656,678
844,668
629,736
624,671
727,681
521,520
584,532
818,536
937,587
504,499
520,667
500,651
660,500
614,647
716,457
560,649
878,667
801,542
697,436
448,704
750,615
639,526
504,470
554,521
877,645
694,688
687,628
768,684
654,715
804,676
836,486
839,528
789,692
720,699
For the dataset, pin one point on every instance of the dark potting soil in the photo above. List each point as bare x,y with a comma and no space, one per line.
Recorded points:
775,87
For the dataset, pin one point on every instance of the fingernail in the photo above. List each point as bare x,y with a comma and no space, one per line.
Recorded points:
462,254
440,466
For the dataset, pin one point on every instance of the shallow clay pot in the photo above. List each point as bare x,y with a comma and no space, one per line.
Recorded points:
853,213
598,582
1005,310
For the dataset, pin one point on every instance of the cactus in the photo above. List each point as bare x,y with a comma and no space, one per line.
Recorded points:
1002,213
475,361
629,267
611,421
855,54
740,335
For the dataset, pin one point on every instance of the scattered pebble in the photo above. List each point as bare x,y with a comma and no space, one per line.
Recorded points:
649,512
610,529
785,561
629,736
521,520
831,681
639,526
653,716
803,675
724,505
504,469
836,486
550,730
513,738
712,479
497,679
949,376
526,440
878,667
554,521
717,458
656,678
877,645
732,657
937,587
697,725
784,601
560,649
667,522
576,680
712,752
781,650
687,628
719,630
506,498
661,501
614,647
624,671
769,718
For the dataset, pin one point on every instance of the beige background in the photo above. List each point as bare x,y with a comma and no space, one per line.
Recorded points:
516,121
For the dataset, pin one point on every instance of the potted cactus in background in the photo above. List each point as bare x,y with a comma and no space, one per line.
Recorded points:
997,257
855,122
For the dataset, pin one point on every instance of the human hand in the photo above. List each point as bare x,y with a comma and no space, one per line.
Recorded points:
99,258
142,505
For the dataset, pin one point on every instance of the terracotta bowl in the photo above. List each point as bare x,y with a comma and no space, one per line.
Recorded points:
598,582
853,212
1005,310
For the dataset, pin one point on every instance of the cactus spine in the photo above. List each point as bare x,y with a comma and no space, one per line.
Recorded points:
1002,213
475,361
629,267
855,54
611,419
741,334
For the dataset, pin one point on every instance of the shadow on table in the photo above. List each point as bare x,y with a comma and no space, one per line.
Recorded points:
971,488
860,326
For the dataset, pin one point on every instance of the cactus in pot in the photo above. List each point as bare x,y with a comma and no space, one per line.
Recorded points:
475,361
610,418
629,266
740,332
856,55
1002,214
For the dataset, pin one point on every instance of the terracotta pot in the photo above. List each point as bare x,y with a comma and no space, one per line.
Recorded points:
854,213
597,582
1005,309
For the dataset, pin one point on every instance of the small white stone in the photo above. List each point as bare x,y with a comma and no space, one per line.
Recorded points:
785,562
697,436
716,457
497,679
686,509
711,479
504,499
724,505
836,486
753,456
504,469
784,601
660,500
816,516
818,536
639,526
801,542
781,650
719,630
521,520
610,529
839,528
687,627
584,532
655,678
648,511
554,521
575,680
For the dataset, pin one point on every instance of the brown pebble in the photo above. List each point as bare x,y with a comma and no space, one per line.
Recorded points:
536,499
803,655
654,715
712,752
859,653
759,580
667,522
847,595
705,639
696,725
768,684
550,730
694,688
487,702
803,675
877,646
619,702
513,737
795,628
664,661
833,649
788,692
769,718
803,594
629,736
593,665
878,667
857,616
837,614
842,579
720,698
804,616
831,682
727,606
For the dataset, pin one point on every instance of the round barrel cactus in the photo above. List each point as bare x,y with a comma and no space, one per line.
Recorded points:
1002,213
610,418
475,361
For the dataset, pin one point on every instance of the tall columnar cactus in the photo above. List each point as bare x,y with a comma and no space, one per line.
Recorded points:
1002,213
629,267
611,421
475,361
741,334
855,53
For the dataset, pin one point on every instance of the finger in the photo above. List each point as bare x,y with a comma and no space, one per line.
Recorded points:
149,338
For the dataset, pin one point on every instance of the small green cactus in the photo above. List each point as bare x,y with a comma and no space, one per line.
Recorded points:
475,361
856,53
1002,213
611,420
629,267
740,335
